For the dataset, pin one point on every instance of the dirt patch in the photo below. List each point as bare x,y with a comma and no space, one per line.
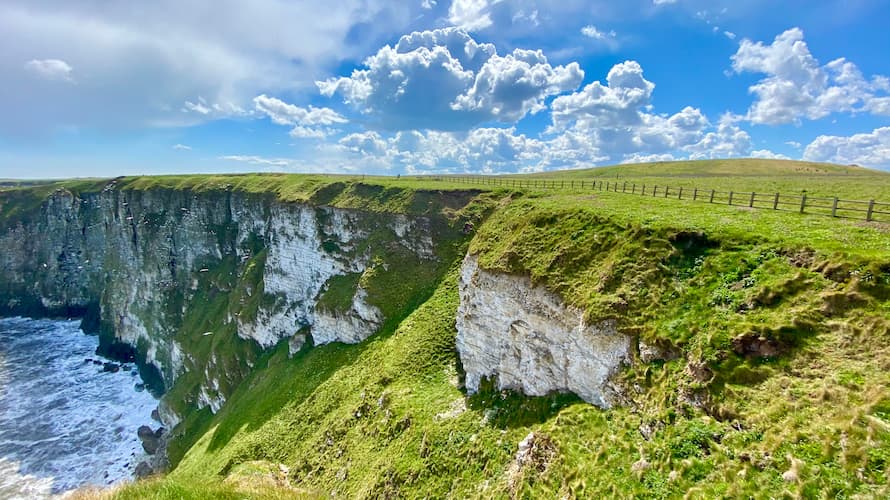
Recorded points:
753,345
536,452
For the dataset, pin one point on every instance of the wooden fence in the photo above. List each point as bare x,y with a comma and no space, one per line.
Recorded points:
871,210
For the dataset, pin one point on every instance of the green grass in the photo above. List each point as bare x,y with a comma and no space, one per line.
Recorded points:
778,326
361,421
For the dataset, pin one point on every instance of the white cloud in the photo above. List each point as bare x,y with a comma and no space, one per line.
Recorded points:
796,86
726,142
181,147
471,15
445,80
614,122
479,150
214,110
730,35
301,132
283,113
615,104
664,2
258,160
507,88
50,69
641,158
137,67
365,143
307,122
868,149
591,31
768,155
428,4
793,144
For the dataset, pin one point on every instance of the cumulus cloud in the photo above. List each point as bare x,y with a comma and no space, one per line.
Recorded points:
869,149
768,155
507,88
444,80
796,86
479,150
471,15
616,104
728,141
50,69
603,122
614,122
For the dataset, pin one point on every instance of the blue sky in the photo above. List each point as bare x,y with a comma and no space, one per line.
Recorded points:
103,89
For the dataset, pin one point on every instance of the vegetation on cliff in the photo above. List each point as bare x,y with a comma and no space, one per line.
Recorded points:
763,370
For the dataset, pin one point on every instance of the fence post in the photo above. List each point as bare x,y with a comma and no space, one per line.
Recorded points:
667,190
633,189
694,194
803,201
776,202
871,208
751,203
730,197
654,190
834,207
624,187
643,191
712,196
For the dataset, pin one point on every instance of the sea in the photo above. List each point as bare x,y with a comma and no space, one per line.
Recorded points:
65,422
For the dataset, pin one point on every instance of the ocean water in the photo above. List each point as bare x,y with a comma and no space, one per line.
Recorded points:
64,423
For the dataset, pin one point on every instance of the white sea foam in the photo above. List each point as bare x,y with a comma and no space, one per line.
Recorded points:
64,423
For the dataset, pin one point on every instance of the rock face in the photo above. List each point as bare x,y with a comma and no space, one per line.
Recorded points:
135,261
530,341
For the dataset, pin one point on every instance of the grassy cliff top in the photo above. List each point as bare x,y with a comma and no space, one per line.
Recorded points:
433,194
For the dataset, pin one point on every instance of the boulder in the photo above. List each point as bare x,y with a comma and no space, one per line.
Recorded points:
151,440
143,470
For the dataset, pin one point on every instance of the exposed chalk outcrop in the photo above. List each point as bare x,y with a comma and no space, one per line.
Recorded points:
137,256
530,341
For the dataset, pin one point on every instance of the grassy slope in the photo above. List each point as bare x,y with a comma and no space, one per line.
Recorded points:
382,418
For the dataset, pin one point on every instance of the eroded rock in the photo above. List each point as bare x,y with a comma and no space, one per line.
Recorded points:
530,341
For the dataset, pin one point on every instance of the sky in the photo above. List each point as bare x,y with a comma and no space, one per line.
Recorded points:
106,88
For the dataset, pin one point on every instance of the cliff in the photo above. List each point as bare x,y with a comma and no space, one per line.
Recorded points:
197,284
408,338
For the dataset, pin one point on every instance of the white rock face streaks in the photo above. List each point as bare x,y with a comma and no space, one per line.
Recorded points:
137,256
530,341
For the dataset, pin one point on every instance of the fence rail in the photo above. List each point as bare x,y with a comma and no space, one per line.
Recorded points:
870,210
